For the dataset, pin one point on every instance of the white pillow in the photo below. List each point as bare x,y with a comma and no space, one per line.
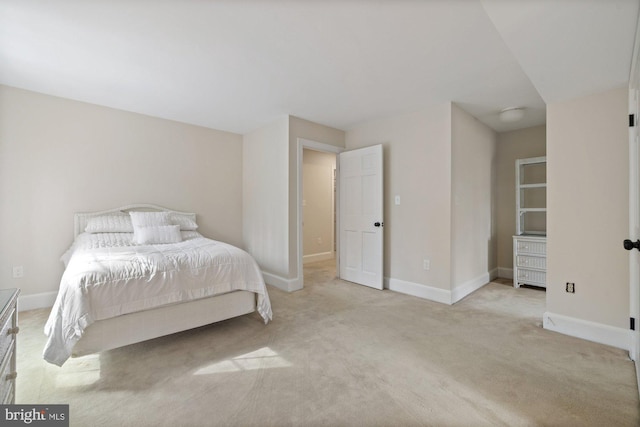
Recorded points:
116,223
185,222
149,219
157,234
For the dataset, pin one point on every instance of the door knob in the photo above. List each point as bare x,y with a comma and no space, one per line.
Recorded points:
378,224
629,245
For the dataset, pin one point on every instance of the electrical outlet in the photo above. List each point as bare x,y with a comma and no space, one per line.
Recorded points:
18,272
319,240
426,264
571,287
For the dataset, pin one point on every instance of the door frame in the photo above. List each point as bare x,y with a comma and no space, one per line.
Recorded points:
634,203
303,143
634,228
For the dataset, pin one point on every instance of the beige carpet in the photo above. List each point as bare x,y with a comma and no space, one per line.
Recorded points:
338,354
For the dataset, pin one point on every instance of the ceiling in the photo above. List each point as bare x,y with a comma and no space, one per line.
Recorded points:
238,65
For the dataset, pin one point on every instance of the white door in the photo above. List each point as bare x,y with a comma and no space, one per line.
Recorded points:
361,222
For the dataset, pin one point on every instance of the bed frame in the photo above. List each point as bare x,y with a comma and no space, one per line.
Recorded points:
132,328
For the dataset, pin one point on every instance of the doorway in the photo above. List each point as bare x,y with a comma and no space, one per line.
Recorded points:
326,249
318,207
352,205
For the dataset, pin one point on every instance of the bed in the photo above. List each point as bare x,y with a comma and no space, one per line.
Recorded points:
143,271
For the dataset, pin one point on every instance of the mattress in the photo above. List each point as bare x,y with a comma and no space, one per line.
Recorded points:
107,275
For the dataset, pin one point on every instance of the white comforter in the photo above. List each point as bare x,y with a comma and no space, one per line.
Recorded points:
107,276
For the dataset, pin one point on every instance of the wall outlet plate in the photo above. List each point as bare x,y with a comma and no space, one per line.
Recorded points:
571,287
18,272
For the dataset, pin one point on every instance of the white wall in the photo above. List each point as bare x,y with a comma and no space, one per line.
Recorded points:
318,205
265,195
518,144
417,167
59,156
473,230
588,208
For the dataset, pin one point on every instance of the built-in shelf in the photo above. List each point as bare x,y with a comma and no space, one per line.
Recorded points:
530,241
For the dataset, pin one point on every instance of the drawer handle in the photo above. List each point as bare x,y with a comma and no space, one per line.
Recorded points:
13,331
10,377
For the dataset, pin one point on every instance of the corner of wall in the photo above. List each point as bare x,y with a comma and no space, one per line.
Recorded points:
473,248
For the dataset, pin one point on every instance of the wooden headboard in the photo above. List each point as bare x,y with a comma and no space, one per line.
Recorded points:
80,219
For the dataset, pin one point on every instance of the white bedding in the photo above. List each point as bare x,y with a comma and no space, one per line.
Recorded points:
107,276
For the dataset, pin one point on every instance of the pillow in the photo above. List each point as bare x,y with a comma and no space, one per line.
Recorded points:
116,223
157,234
149,219
184,221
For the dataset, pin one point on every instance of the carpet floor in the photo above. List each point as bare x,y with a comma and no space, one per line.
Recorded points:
339,354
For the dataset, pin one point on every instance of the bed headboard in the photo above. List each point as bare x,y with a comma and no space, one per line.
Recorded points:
80,219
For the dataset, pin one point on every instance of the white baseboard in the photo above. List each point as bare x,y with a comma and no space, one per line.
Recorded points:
288,285
34,301
418,290
440,295
470,286
505,273
322,256
587,330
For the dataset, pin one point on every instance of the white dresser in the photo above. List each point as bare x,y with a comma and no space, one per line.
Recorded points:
8,331
530,261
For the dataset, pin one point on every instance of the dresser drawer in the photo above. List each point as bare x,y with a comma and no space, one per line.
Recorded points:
10,397
531,247
532,276
7,377
531,262
7,333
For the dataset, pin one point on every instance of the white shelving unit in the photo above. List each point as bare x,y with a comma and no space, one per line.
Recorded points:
530,241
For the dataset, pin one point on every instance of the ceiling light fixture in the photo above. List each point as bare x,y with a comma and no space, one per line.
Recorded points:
512,114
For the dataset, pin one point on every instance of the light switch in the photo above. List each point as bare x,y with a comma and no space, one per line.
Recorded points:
397,200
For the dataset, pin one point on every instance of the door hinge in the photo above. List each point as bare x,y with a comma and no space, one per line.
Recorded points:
632,120
632,323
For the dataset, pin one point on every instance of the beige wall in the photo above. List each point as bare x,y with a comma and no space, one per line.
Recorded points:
270,194
417,167
588,207
318,203
519,144
473,233
265,184
59,156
